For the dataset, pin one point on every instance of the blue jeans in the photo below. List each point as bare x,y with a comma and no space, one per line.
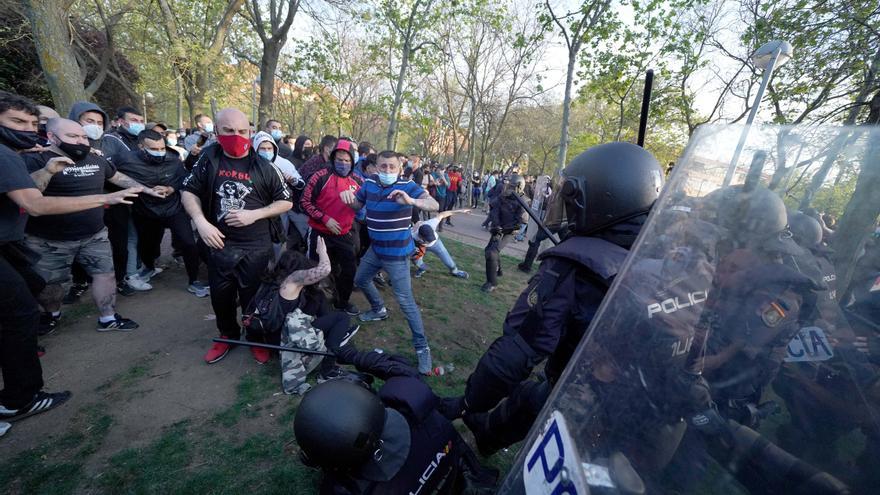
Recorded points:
398,271
440,250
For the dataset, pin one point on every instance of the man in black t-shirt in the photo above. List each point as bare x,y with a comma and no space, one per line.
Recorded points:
234,197
19,314
61,240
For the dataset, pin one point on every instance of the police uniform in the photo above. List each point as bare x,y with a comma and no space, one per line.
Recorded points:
506,215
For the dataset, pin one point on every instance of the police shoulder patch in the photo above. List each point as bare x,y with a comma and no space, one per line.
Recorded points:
532,298
772,314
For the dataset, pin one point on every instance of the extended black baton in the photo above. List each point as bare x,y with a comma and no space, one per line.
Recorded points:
537,220
273,347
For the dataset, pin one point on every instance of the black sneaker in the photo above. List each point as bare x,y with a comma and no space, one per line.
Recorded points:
123,289
48,324
523,268
118,323
43,401
350,309
500,273
333,374
379,280
487,288
74,293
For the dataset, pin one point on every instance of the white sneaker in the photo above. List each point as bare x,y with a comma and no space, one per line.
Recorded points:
137,283
146,275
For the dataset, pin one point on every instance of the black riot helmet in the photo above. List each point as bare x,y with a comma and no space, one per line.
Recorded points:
514,185
805,230
338,424
604,186
755,217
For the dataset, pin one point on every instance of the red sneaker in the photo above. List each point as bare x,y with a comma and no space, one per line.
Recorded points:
260,354
217,352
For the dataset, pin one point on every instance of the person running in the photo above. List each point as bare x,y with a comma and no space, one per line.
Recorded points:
389,201
427,240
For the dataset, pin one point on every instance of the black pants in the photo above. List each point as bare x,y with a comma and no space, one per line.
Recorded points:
340,249
511,420
150,232
19,317
234,276
532,252
493,255
116,219
364,235
451,198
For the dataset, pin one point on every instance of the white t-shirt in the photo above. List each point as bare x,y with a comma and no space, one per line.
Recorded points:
433,223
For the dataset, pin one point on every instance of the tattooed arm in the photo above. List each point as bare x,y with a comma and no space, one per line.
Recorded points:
125,181
312,275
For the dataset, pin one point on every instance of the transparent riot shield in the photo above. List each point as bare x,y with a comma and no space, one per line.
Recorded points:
541,185
737,351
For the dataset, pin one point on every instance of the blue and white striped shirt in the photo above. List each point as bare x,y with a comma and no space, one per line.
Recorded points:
388,222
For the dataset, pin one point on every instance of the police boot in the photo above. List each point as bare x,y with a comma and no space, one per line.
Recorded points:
478,424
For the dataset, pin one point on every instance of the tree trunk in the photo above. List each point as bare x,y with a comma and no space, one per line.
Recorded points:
51,31
391,138
268,64
566,108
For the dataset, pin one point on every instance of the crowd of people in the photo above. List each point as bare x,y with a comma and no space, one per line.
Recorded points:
240,203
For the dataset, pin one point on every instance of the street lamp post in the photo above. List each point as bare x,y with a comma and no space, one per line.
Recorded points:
771,55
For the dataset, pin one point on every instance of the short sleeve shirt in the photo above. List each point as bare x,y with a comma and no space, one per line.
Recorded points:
84,178
388,222
13,177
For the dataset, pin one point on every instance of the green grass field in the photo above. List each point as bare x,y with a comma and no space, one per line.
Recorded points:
249,446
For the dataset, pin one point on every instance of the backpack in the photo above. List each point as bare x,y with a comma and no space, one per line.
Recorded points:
263,314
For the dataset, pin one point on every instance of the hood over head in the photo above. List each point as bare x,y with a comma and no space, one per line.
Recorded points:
261,137
82,107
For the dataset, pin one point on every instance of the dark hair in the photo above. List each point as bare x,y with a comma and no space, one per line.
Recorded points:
269,122
427,233
162,125
121,111
326,141
149,134
386,154
198,117
10,101
364,148
298,146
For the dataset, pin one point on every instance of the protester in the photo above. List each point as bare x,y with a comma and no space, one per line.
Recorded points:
268,149
233,196
75,236
95,122
276,130
130,123
441,183
427,239
22,395
389,201
320,159
161,169
171,143
332,220
455,185
302,151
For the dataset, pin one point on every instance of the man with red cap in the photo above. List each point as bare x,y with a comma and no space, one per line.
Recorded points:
332,220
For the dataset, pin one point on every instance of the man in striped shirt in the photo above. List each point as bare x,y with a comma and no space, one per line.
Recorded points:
389,201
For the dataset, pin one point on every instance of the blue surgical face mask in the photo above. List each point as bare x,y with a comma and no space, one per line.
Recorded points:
342,169
209,127
135,128
268,155
387,178
276,134
157,154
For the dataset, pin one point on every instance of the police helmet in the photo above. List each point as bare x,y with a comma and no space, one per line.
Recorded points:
516,184
805,230
603,186
755,216
338,424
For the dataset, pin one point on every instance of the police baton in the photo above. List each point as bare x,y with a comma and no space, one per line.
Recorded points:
537,220
272,347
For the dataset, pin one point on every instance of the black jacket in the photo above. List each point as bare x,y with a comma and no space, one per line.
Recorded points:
167,172
506,213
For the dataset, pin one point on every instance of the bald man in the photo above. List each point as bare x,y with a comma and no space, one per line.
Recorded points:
235,197
68,169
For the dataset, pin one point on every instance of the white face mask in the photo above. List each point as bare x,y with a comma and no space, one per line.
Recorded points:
171,141
93,131
209,127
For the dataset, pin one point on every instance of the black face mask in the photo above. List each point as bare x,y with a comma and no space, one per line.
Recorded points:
307,153
76,152
19,140
41,130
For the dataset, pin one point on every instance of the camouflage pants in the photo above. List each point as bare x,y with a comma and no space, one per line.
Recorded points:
295,366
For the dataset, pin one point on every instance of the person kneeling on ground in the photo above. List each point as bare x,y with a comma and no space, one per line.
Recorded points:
427,239
290,309
382,442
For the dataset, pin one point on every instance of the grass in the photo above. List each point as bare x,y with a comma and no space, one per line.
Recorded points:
249,446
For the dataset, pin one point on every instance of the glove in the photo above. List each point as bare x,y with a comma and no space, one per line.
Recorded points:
709,422
452,408
496,231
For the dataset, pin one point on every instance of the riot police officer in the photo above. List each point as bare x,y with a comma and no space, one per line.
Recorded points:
393,441
506,215
605,195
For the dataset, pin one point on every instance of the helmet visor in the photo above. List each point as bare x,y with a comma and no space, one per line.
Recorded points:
556,215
